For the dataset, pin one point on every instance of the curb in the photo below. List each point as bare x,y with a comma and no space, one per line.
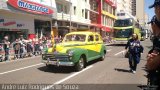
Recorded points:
109,44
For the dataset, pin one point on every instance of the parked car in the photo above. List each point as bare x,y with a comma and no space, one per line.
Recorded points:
76,49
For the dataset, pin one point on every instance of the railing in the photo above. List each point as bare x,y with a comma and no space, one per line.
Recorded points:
108,40
12,54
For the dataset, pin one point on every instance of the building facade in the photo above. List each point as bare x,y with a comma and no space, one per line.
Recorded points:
138,11
147,26
29,18
95,15
128,6
124,5
134,7
72,15
108,15
124,9
34,18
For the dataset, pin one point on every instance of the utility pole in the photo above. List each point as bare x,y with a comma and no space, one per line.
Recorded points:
52,32
51,15
70,3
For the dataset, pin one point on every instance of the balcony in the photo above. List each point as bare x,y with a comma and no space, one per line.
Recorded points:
112,3
109,2
66,17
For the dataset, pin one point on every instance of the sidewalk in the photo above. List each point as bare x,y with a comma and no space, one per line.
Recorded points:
11,55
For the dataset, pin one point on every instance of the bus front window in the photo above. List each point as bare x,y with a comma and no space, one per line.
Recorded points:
123,23
126,33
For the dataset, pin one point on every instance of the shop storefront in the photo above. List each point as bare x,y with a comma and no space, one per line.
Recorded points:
24,17
13,26
106,31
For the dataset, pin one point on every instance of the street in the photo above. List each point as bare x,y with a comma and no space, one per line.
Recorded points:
110,74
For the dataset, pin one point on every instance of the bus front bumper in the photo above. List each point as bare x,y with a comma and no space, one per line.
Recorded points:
120,42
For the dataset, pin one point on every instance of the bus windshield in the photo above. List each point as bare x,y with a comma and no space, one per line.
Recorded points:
123,33
123,23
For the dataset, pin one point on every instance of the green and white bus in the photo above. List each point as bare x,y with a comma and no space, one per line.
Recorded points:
124,28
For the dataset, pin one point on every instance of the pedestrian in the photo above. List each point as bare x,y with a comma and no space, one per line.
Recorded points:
36,47
6,47
29,48
134,50
1,50
22,47
16,47
153,57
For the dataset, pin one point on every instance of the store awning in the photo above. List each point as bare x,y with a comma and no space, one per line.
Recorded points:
92,11
96,25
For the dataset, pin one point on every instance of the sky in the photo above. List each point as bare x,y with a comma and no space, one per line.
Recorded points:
150,12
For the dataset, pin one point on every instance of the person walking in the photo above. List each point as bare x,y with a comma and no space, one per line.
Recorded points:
6,47
134,50
22,47
29,48
16,47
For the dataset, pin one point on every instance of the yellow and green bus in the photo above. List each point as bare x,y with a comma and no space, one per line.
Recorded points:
124,28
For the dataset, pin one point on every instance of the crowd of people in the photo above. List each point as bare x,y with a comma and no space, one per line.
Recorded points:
22,48
108,40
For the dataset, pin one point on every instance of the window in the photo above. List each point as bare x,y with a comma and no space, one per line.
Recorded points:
82,12
75,37
59,7
41,0
103,20
86,15
97,38
107,20
122,14
65,10
107,7
74,10
90,38
110,9
123,23
114,12
104,6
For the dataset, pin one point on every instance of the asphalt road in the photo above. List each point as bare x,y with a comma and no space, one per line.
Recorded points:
110,74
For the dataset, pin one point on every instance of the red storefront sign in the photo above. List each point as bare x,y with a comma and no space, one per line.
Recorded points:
96,25
31,36
31,7
107,29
